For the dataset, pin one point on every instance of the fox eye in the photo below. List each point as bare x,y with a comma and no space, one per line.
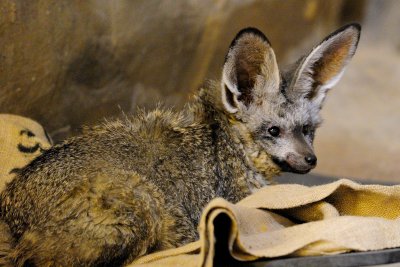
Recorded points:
306,129
274,131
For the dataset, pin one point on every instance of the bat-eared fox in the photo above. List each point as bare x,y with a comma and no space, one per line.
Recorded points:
138,185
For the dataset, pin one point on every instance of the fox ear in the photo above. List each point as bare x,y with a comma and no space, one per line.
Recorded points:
324,66
249,71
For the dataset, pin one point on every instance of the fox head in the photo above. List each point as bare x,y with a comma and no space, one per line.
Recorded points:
276,113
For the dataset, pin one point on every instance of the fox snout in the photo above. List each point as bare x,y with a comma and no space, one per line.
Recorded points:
297,163
298,157
301,163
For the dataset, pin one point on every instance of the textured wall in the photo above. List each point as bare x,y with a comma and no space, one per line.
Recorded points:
68,63
361,133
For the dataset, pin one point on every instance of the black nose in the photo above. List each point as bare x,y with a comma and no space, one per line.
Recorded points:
311,160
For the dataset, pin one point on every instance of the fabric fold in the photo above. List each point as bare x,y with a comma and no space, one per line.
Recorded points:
296,220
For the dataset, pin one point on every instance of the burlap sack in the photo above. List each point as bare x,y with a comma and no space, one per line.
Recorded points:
21,140
328,219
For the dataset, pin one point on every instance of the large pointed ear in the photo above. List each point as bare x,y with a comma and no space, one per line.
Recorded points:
249,71
324,66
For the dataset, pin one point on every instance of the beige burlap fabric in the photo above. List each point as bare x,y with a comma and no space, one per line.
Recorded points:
278,220
334,218
21,140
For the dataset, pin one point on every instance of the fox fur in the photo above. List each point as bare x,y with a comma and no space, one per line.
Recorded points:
130,187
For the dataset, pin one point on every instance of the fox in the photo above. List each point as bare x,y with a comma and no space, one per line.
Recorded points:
136,185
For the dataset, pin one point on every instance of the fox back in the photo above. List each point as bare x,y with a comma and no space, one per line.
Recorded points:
126,188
